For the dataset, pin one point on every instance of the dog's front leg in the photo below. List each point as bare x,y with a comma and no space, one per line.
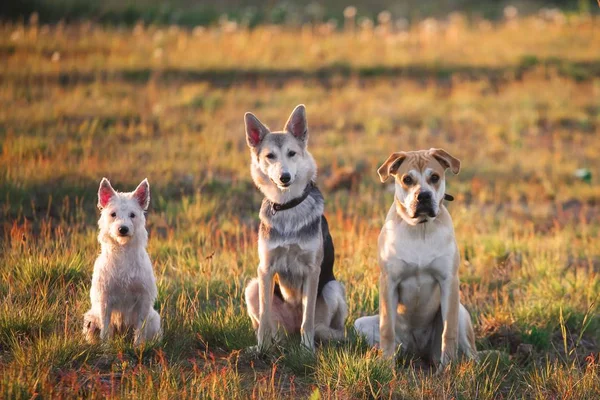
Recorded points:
388,303
309,302
266,285
105,315
450,308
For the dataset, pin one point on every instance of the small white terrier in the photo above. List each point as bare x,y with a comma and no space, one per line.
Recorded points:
123,283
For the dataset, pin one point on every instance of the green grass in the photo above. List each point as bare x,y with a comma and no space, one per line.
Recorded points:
522,115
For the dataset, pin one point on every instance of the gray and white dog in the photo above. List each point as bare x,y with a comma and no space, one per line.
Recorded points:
296,290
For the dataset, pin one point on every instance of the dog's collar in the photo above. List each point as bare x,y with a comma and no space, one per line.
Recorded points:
294,202
448,197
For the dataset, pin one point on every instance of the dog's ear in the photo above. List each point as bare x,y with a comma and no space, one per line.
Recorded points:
105,193
297,125
391,165
255,130
142,194
446,160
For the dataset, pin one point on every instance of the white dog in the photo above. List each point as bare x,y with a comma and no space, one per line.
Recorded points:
123,283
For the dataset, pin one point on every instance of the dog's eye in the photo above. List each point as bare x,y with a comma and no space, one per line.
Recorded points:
132,215
113,214
407,180
270,156
292,153
434,178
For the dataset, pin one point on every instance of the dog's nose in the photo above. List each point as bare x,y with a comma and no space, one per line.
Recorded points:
424,197
123,230
285,177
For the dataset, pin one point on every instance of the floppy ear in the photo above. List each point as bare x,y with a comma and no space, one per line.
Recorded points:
391,165
446,160
255,130
297,124
142,194
105,193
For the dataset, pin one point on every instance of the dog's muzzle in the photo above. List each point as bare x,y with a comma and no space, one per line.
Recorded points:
285,180
424,206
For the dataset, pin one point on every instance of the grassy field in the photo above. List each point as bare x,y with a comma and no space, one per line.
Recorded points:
517,101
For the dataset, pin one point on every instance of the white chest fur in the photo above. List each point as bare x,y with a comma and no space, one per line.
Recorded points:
406,251
123,276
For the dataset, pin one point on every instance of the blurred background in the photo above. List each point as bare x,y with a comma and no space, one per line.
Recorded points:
250,12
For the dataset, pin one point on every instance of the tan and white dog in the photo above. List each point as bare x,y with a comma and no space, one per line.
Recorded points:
123,284
420,311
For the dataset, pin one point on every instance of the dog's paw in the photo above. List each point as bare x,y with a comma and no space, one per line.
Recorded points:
138,341
253,350
388,352
441,369
308,346
256,352
449,354
105,346
91,330
443,364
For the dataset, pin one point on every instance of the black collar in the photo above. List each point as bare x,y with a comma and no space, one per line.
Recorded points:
293,203
448,197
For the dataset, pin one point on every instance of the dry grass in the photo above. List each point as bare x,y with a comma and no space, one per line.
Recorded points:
517,112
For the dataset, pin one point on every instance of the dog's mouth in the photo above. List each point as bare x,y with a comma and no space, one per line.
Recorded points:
421,219
424,212
282,185
123,238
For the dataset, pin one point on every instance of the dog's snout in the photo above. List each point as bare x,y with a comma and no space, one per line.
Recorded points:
123,230
285,177
424,197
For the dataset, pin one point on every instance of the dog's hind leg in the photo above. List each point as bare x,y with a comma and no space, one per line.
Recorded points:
326,333
151,327
466,336
368,327
286,318
331,312
91,326
337,290
147,326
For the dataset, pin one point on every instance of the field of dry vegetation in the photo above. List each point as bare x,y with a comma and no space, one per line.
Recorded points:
518,101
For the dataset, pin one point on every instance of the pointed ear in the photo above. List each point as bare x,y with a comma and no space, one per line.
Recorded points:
446,160
297,124
391,165
255,130
142,194
105,193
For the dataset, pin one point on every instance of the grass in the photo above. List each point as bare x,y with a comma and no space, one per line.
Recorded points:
516,101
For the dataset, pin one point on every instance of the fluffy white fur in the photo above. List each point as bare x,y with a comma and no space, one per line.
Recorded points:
123,284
